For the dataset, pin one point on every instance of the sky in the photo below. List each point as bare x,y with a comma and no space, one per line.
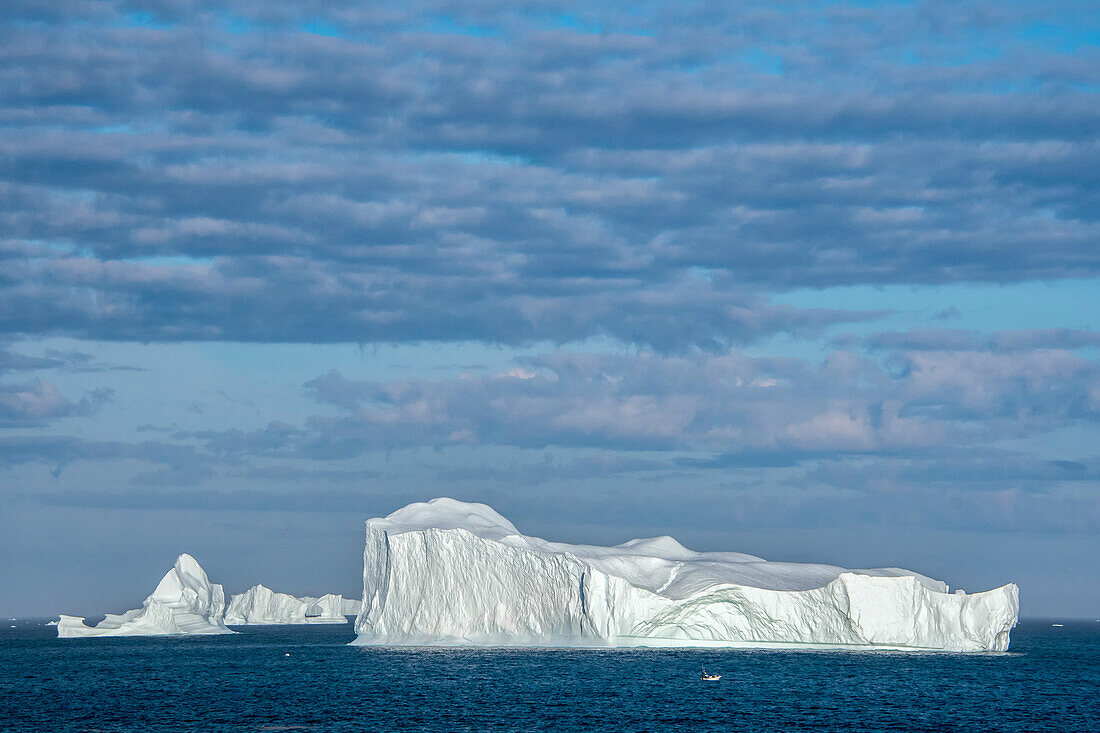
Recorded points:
815,281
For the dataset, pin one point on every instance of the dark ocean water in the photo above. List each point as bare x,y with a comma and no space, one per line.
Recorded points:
1049,681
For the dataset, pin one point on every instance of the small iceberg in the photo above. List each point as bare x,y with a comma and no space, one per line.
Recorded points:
260,606
184,602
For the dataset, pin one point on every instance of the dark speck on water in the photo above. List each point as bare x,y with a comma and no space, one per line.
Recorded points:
1049,681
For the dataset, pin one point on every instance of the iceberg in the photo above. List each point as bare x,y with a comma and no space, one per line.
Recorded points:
448,573
261,606
184,602
331,608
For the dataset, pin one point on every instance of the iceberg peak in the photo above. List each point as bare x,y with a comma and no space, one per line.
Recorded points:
445,513
663,546
186,575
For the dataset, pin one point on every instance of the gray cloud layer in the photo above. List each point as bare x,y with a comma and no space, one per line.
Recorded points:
724,403
907,438
512,172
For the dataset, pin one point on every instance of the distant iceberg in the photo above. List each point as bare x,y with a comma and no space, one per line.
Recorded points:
330,606
447,572
262,606
185,602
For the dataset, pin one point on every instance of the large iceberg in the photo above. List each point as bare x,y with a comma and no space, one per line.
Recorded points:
260,606
447,572
184,602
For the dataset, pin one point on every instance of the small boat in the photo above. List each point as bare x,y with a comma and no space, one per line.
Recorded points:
709,677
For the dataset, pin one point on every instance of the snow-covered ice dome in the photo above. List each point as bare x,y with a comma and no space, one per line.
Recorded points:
184,602
447,572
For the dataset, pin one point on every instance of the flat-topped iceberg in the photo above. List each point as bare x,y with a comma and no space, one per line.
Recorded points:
447,572
260,605
184,602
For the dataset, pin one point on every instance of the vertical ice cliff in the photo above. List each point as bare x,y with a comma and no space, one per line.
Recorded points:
184,602
453,573
260,605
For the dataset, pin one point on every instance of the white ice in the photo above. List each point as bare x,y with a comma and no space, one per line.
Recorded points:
184,602
260,606
447,572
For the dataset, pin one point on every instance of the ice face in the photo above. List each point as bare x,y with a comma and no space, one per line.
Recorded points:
184,602
260,606
447,572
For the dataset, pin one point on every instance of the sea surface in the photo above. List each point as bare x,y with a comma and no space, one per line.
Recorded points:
1049,681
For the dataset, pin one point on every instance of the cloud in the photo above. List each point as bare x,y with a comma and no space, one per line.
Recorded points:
292,474
13,361
599,465
1026,389
62,451
942,339
329,303
948,313
1049,338
67,360
750,411
981,488
189,474
38,402
165,495
514,173
903,437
